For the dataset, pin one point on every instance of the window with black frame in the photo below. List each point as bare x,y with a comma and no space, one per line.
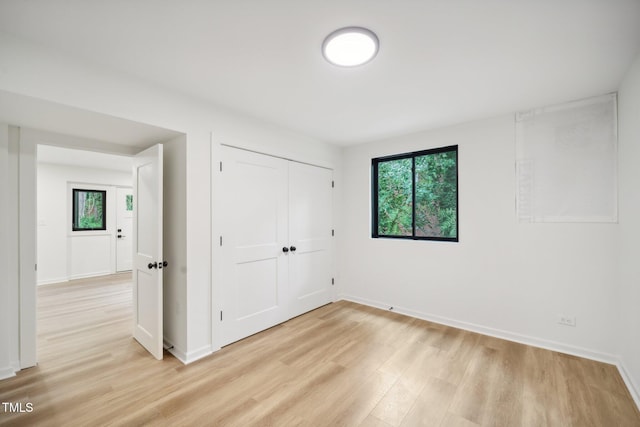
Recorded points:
89,209
415,195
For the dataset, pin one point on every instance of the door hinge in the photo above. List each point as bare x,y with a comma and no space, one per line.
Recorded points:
220,240
221,315
220,166
333,184
36,267
333,281
333,232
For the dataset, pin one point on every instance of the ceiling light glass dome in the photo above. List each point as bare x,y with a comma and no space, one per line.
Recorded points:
350,46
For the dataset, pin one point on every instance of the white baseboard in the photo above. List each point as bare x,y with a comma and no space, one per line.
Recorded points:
628,380
497,333
50,281
7,372
192,356
79,276
88,275
76,277
189,357
171,348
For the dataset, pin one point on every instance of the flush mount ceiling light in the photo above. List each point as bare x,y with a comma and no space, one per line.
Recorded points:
350,46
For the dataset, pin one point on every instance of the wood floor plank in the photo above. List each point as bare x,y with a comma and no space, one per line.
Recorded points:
472,397
343,364
372,421
544,404
453,420
353,410
431,406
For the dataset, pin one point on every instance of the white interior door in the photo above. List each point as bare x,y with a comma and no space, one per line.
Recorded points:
255,223
147,249
310,222
124,229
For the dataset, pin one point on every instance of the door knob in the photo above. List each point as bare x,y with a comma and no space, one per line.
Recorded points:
120,236
152,265
293,248
285,249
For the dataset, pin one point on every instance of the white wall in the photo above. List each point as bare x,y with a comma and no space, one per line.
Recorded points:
17,251
627,329
6,248
25,150
64,254
175,245
503,278
32,70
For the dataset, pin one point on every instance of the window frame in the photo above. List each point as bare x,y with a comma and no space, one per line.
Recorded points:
74,219
375,162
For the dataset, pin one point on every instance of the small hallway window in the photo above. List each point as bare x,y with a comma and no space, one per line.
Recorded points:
89,210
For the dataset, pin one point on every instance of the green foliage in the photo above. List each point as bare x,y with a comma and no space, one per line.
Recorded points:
90,222
435,196
395,198
89,210
129,201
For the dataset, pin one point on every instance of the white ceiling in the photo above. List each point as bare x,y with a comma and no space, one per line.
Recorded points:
440,62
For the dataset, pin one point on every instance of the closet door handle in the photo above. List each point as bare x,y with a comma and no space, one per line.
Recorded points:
293,248
285,249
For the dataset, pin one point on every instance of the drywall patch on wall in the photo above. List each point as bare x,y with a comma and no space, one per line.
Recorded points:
567,162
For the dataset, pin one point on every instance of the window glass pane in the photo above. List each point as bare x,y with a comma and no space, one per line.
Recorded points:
395,196
89,210
436,195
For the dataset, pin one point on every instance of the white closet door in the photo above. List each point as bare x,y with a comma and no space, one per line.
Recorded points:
255,268
310,222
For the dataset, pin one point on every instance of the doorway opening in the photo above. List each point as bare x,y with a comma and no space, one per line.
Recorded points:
84,288
66,127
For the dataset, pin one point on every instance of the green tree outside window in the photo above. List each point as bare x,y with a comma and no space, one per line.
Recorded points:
415,195
89,210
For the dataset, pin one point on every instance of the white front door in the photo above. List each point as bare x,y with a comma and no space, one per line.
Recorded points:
310,220
124,229
147,249
255,223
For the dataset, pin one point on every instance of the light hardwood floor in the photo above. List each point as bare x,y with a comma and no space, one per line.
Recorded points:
343,364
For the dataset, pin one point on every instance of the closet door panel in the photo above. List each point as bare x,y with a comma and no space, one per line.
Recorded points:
255,269
310,222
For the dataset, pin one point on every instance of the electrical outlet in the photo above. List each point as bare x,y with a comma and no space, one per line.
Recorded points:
567,320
